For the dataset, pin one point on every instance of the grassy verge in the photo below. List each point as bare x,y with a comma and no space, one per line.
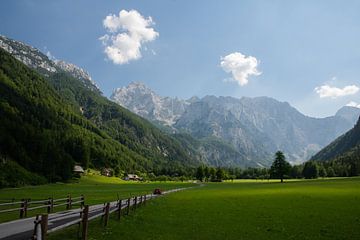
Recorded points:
96,189
315,209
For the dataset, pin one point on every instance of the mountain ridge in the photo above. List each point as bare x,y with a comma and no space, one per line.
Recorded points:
34,58
245,123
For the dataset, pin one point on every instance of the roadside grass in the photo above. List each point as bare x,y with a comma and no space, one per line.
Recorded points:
307,209
95,188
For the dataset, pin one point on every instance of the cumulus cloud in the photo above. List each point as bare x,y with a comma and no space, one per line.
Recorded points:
334,92
353,104
240,66
127,32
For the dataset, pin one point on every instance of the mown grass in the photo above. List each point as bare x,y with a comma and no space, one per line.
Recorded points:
314,209
96,189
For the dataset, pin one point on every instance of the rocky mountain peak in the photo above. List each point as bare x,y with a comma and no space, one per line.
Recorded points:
77,72
142,100
29,55
349,113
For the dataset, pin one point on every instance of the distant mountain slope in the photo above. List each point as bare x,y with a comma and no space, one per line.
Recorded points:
215,152
254,127
40,131
35,59
143,146
347,144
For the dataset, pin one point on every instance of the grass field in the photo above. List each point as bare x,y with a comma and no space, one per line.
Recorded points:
314,209
96,189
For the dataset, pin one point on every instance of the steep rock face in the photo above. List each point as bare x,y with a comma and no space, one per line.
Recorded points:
144,102
254,127
78,73
35,59
261,126
29,55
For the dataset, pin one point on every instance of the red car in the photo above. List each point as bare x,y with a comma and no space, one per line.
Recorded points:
157,191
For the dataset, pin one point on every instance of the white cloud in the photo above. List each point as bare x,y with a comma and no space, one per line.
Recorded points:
334,92
240,66
353,104
126,34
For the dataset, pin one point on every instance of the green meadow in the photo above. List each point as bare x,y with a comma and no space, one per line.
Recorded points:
305,209
95,188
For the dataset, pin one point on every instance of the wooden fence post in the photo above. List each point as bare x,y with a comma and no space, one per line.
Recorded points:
50,206
135,202
44,226
26,207
128,207
145,199
82,198
107,209
119,209
36,232
68,205
22,206
85,217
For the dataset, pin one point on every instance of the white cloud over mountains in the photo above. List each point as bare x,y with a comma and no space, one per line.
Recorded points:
353,104
126,34
240,66
326,91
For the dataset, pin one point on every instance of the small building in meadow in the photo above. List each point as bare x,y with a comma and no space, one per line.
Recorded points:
107,172
133,177
78,170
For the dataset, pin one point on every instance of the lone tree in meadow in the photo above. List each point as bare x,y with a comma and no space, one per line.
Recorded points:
280,166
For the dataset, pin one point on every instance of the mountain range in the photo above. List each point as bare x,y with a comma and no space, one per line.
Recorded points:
254,128
54,115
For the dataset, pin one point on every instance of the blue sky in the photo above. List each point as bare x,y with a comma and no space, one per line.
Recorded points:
299,46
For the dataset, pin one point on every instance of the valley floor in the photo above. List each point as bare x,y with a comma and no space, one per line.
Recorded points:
96,189
306,209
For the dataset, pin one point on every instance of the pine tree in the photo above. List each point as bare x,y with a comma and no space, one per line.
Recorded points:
280,166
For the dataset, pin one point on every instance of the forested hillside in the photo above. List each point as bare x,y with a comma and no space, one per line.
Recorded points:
343,154
163,151
47,134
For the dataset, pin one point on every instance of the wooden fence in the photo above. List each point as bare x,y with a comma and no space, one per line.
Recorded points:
51,222
87,213
26,205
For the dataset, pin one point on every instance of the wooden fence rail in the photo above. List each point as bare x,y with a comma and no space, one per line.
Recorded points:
88,213
48,223
26,205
